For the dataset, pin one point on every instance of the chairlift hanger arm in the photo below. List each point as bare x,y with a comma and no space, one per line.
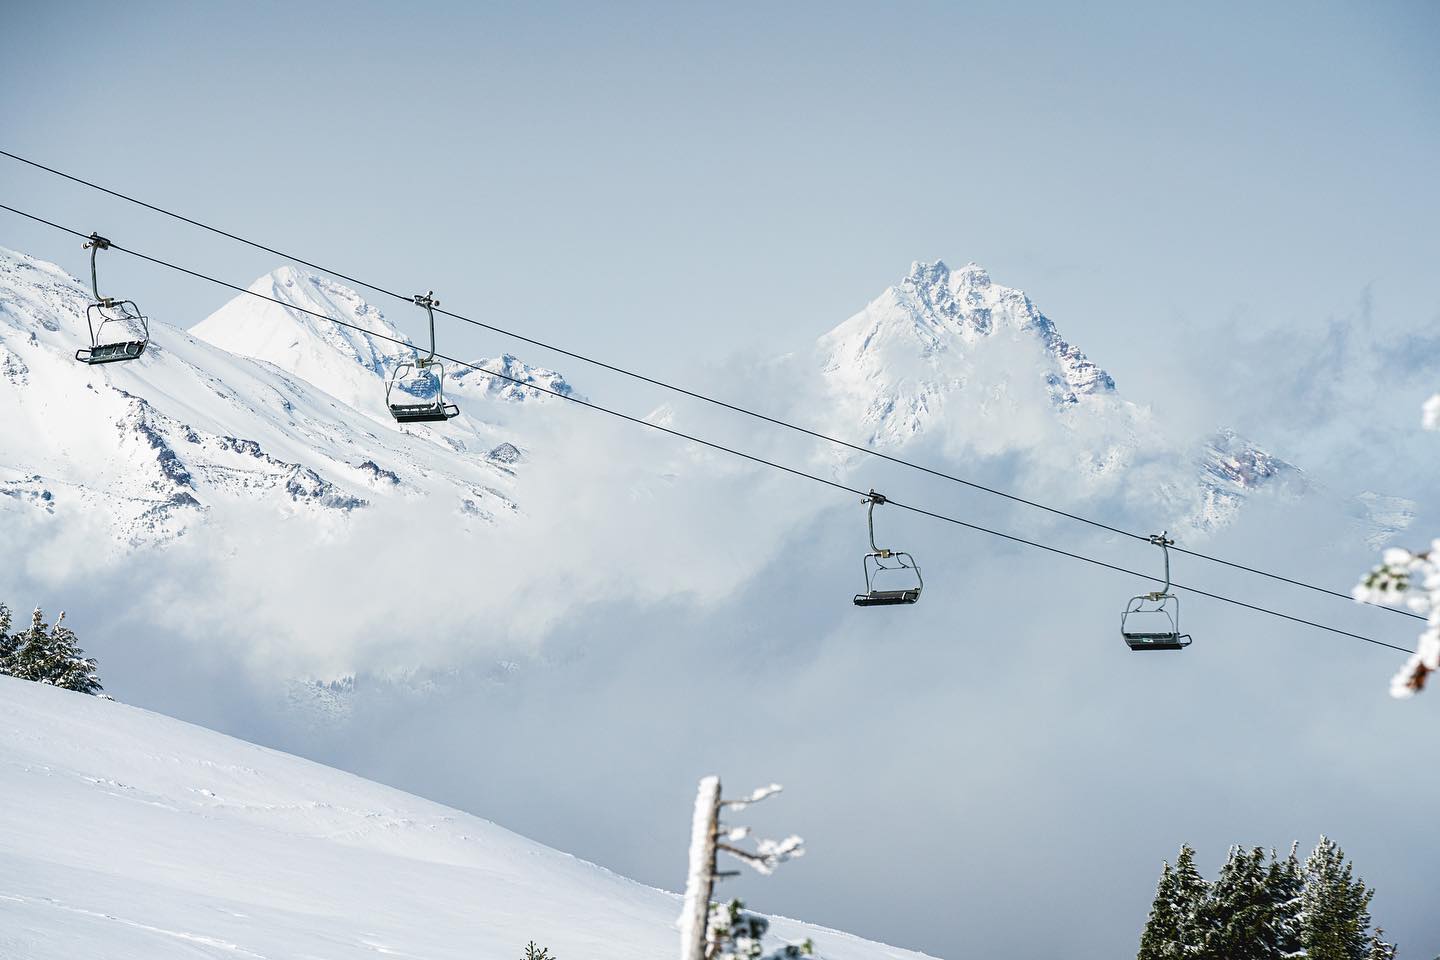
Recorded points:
873,499
1162,541
428,301
95,244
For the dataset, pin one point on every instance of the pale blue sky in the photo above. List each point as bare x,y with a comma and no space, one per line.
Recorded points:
663,185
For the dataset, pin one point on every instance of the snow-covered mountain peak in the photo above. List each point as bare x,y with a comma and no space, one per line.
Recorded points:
341,360
953,357
512,372
972,274
940,329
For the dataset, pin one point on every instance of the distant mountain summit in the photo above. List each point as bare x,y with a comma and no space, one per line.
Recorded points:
950,357
915,343
344,361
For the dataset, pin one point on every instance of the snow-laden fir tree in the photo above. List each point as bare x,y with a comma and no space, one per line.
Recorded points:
735,933
51,654
1380,949
1174,929
1286,886
1335,907
1412,580
1162,930
1238,918
8,644
1263,909
532,952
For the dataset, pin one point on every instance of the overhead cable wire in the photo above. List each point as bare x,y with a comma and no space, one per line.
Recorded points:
723,404
708,443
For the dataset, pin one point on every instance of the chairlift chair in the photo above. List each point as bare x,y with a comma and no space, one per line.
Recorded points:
881,563
107,310
1151,621
416,377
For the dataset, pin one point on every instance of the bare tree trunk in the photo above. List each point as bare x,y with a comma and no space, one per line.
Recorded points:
700,882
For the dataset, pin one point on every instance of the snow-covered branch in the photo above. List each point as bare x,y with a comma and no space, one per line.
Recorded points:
768,854
755,796
1411,580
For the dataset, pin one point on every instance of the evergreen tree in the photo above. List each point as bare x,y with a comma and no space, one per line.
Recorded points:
8,644
734,933
533,952
52,655
1162,929
1174,927
1287,887
1191,892
1238,918
1335,911
1379,949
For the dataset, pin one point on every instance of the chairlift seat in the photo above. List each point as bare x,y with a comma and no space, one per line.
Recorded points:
437,412
1156,641
886,598
111,352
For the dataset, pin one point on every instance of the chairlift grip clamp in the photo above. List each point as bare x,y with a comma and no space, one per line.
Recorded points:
96,241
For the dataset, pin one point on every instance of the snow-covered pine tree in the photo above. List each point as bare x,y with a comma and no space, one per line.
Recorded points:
73,670
1162,929
31,649
532,952
735,933
52,655
1175,928
8,644
1380,949
1335,910
1238,917
1191,892
1286,888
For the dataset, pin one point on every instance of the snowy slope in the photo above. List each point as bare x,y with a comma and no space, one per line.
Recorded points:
132,836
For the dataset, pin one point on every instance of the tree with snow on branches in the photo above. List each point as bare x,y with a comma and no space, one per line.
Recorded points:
46,654
1412,580
713,931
